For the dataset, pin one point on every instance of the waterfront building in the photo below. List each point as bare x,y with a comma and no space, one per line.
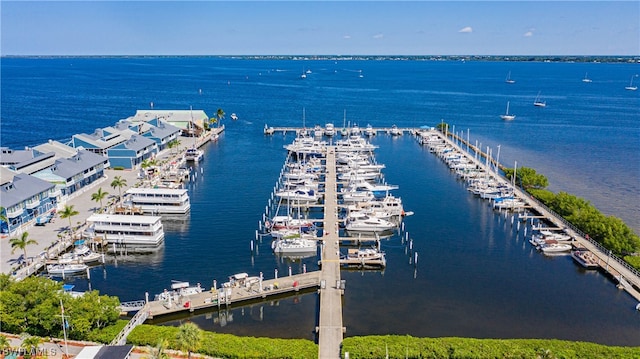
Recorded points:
24,198
190,122
131,153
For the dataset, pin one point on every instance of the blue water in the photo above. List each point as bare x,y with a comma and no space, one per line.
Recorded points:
476,276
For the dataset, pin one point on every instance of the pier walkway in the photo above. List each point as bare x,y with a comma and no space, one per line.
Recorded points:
627,276
330,330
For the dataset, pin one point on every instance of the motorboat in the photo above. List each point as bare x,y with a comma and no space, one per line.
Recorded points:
553,246
241,280
329,130
79,255
585,258
360,222
178,289
369,131
193,155
66,269
234,116
395,131
300,195
364,257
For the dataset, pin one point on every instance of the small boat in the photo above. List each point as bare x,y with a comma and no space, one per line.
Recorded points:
240,280
360,222
365,257
178,289
586,78
585,258
234,116
539,103
268,130
553,246
66,269
395,131
369,131
631,87
294,244
193,155
509,80
507,116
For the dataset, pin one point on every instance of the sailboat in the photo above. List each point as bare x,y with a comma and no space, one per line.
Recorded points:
631,87
586,78
537,102
507,116
304,75
509,80
303,132
344,132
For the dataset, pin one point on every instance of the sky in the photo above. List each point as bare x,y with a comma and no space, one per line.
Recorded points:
320,27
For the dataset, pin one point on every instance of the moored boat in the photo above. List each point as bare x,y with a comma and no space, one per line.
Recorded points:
585,258
66,269
193,155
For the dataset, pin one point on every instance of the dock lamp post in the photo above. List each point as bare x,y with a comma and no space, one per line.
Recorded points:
608,256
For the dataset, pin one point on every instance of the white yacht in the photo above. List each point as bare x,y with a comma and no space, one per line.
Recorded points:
300,195
132,233
395,131
329,130
159,200
299,244
359,222
178,289
507,116
66,269
369,131
193,155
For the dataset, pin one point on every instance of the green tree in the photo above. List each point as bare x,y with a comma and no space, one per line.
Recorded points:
118,182
3,215
527,178
174,144
188,338
69,212
33,306
30,344
99,196
157,352
220,115
21,243
5,343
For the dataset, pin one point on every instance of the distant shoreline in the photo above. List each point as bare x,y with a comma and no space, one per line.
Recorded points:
517,58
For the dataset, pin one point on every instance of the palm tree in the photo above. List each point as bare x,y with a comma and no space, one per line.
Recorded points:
118,182
21,243
30,343
219,115
5,343
99,196
3,216
188,338
69,212
158,351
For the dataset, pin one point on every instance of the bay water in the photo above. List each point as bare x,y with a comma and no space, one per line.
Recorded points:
476,275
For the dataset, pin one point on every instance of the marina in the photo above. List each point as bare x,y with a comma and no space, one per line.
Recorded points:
437,226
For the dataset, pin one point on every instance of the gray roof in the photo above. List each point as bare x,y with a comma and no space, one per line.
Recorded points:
38,163
99,141
137,143
21,188
82,161
60,149
10,157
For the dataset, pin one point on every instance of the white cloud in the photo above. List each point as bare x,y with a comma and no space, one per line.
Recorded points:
378,36
466,29
529,33
346,37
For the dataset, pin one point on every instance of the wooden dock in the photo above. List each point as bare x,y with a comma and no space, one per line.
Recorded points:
627,276
330,329
223,296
